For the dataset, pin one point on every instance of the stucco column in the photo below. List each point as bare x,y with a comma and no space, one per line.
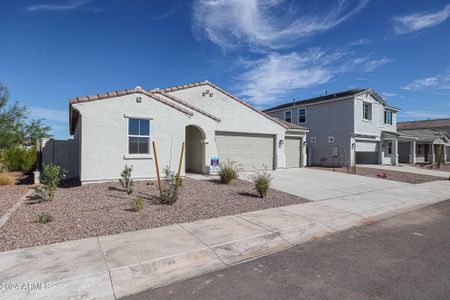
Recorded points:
430,153
394,158
445,153
303,156
412,152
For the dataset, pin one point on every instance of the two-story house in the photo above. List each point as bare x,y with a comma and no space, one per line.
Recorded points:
355,125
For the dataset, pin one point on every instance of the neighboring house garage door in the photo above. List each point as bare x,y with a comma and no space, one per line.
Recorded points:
367,152
250,151
293,145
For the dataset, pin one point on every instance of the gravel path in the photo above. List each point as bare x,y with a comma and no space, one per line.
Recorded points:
390,175
101,209
9,195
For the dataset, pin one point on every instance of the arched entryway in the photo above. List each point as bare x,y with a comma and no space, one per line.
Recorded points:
194,149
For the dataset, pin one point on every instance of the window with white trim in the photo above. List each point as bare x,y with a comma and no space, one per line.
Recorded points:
138,136
367,111
388,117
302,115
288,116
389,148
419,149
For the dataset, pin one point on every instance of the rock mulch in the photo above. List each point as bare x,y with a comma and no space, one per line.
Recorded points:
388,175
9,195
103,208
445,168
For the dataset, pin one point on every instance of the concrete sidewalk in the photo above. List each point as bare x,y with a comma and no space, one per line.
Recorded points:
410,169
111,267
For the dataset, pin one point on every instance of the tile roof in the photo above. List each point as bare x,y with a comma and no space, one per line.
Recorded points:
421,124
427,134
340,95
288,125
201,83
137,90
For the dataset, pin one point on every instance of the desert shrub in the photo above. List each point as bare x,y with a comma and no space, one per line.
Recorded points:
19,159
7,179
45,218
171,187
262,182
137,204
228,171
50,178
125,181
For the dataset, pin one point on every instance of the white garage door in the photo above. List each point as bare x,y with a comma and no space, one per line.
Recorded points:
293,152
367,152
249,151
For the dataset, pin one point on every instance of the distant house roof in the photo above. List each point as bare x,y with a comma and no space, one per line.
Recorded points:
423,135
335,96
422,124
288,125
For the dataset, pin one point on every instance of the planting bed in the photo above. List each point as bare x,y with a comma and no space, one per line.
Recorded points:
389,175
103,208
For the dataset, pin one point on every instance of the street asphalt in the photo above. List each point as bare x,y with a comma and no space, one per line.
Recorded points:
405,257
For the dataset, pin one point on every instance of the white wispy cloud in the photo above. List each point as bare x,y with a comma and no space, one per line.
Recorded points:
387,94
360,42
271,78
437,82
59,6
367,64
268,24
49,114
418,21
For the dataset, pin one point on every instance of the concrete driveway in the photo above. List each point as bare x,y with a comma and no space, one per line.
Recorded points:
410,169
317,185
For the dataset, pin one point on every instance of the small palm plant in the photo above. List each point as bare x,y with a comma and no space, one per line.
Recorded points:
125,181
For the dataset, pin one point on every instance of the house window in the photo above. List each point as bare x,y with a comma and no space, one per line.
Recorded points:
419,149
367,111
302,115
388,117
389,148
138,136
288,116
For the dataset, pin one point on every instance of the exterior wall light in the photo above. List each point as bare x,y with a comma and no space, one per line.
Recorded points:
139,99
280,143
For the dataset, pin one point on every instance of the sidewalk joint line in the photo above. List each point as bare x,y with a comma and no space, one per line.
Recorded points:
198,239
107,267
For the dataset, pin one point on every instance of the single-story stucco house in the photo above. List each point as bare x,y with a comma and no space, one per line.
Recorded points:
421,141
115,129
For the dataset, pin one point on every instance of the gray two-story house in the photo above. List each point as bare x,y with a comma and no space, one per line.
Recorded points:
347,127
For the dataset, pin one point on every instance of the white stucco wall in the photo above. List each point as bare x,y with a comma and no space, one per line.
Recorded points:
376,125
104,147
235,117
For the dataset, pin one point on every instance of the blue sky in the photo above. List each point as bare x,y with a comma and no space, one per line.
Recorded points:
265,51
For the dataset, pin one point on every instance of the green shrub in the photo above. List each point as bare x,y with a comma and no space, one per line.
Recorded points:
171,187
45,218
50,178
7,179
126,182
228,171
19,159
137,204
262,182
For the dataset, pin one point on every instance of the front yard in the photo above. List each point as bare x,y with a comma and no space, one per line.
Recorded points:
388,175
103,208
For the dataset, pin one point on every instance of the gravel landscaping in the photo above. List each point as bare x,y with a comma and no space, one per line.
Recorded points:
445,168
9,195
390,175
103,208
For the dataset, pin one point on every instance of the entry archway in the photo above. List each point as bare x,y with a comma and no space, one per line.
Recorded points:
194,157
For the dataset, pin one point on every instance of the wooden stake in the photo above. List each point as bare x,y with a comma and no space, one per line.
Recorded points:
157,168
181,161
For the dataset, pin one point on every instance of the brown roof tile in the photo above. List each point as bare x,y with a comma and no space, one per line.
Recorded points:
423,124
